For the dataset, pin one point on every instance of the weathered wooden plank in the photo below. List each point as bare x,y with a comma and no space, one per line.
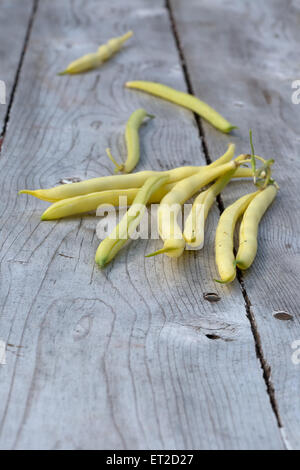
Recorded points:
242,58
14,21
118,358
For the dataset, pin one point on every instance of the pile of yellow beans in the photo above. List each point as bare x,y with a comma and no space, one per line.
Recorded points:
171,189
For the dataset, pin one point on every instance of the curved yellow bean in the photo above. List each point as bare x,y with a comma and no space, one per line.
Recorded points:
171,205
249,226
112,244
94,60
135,180
225,259
132,141
226,157
194,225
104,183
90,202
186,100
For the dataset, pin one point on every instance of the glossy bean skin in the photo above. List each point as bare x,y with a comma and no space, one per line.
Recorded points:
171,205
132,138
186,100
95,59
132,141
90,202
195,222
249,226
112,244
83,64
226,157
136,180
105,183
225,258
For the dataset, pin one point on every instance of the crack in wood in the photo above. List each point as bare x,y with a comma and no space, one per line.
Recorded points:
248,307
18,72
259,350
187,80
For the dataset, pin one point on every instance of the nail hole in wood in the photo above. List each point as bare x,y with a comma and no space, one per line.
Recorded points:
212,336
211,296
282,315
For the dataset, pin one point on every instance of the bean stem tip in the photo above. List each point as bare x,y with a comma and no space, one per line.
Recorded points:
158,252
118,167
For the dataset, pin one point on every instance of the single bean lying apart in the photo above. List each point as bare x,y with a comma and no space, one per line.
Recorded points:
132,141
186,100
95,59
111,245
135,180
225,258
195,222
171,204
249,226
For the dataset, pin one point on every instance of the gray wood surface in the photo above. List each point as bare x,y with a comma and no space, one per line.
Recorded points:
247,71
120,358
14,20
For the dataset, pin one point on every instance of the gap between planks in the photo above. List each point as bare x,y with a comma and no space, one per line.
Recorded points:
266,369
18,71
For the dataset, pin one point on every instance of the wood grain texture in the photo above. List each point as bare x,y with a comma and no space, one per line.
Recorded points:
14,21
246,71
119,358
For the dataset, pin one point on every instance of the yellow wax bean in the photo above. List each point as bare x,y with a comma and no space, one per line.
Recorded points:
171,205
226,157
132,141
249,226
135,180
243,173
94,60
90,202
186,100
104,183
225,259
112,244
195,222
